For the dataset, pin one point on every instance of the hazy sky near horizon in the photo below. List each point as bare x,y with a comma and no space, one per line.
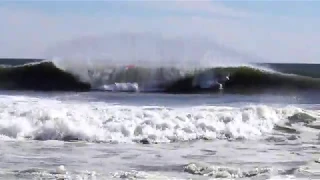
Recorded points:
286,31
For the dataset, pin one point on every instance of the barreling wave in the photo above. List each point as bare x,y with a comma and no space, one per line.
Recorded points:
245,79
58,76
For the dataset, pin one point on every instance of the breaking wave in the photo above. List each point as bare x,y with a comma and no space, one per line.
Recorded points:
61,76
48,119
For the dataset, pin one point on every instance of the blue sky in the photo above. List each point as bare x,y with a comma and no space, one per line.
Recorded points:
275,30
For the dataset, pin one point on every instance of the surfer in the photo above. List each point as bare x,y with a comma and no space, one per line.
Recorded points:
220,80
205,81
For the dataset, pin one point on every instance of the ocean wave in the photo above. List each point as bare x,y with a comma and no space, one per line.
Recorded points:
61,76
47,119
245,79
40,76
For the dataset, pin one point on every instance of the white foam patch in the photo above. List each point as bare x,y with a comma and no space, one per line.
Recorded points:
47,119
141,175
121,87
60,173
223,172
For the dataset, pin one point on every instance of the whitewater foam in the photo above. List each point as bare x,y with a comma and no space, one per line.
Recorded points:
223,172
141,175
48,119
60,173
124,87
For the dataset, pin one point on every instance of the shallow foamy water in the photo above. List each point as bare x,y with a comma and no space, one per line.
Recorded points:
96,136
